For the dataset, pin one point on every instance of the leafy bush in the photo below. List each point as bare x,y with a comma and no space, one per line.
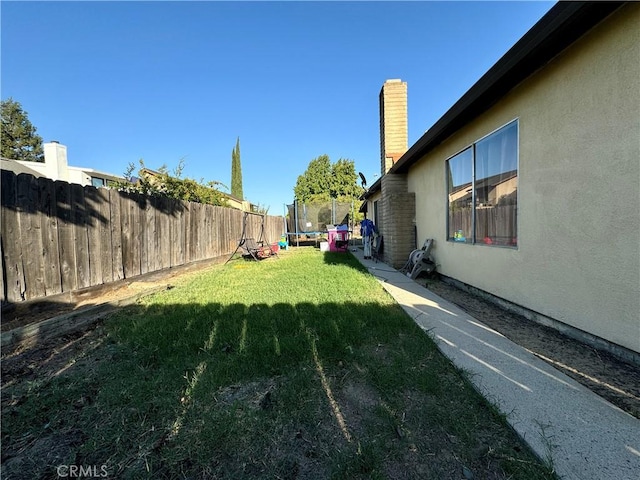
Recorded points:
161,183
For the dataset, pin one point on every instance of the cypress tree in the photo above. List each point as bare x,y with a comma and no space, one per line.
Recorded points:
236,172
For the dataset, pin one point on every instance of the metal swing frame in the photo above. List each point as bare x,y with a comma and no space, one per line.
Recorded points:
256,249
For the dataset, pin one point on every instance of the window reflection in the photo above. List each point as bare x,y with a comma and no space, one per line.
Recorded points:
459,171
496,187
485,174
98,182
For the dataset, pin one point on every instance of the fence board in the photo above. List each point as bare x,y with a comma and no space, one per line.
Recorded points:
176,232
204,222
182,224
190,238
163,229
115,232
208,237
223,233
49,231
147,236
30,237
65,236
79,219
230,232
105,255
127,261
137,219
215,234
226,232
220,224
192,232
234,231
206,234
202,233
153,236
93,219
15,287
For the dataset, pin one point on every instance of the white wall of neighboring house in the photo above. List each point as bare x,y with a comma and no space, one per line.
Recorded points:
56,167
577,258
55,159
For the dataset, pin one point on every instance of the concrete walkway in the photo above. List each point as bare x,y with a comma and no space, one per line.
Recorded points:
581,434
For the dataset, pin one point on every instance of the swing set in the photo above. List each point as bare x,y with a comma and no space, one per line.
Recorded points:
250,247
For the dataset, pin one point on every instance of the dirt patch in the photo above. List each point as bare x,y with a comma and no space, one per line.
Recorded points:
613,379
52,358
42,310
54,449
16,315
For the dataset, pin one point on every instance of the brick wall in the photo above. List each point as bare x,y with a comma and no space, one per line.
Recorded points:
393,123
398,212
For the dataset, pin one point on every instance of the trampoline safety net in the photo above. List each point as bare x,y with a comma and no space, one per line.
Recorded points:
313,218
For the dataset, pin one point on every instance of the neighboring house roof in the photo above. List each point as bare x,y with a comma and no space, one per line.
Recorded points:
153,173
92,172
44,170
565,23
18,168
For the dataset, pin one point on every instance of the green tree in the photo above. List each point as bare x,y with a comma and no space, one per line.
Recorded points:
314,185
18,136
236,172
344,181
323,181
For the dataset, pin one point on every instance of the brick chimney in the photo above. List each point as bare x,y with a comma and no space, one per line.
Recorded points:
393,123
398,204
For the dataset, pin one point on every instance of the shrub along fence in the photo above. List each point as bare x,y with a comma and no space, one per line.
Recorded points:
59,237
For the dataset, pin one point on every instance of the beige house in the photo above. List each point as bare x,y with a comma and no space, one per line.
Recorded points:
530,183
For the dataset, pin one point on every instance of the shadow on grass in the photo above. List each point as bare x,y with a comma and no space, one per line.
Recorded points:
261,391
344,258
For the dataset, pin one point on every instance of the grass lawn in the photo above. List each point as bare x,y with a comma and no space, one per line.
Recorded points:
294,367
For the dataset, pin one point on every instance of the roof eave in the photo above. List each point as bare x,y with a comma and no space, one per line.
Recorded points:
560,27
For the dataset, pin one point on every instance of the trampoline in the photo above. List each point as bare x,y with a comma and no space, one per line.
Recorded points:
312,219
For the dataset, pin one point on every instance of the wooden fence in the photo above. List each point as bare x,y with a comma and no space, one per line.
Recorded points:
59,237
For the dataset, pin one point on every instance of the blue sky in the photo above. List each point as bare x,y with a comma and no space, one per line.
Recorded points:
120,81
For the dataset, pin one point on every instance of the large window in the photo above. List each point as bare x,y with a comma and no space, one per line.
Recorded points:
482,190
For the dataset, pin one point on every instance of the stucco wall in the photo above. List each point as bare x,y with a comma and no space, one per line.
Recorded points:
578,255
376,197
